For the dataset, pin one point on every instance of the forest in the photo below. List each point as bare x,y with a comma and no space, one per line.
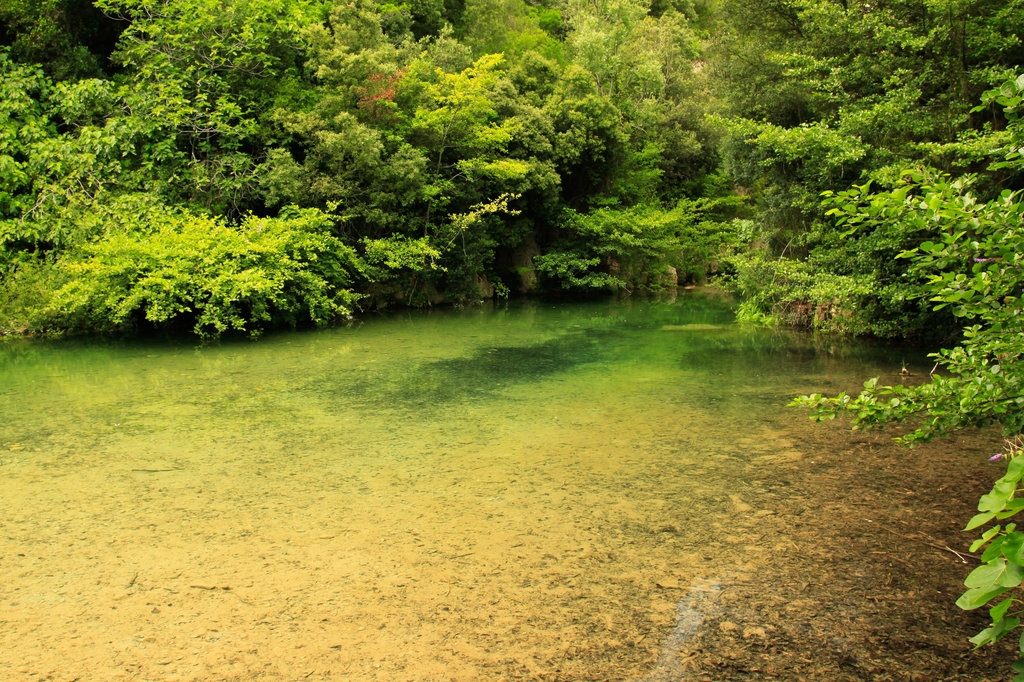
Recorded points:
232,167
215,168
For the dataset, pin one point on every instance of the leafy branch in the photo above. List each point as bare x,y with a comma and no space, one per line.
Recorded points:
972,254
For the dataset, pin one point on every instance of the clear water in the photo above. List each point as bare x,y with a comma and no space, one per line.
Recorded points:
490,493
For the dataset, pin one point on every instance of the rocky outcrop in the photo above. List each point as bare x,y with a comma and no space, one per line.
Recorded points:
522,265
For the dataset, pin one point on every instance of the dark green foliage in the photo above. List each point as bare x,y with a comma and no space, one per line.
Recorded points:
826,94
68,38
644,247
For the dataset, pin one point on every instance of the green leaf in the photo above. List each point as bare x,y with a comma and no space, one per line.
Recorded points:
1013,548
996,573
984,637
985,537
1012,507
996,500
977,596
995,632
997,612
1015,470
979,520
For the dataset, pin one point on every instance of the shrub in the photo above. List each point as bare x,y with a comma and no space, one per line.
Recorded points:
197,270
791,292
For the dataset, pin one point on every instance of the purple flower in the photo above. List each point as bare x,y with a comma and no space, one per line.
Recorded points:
982,260
996,456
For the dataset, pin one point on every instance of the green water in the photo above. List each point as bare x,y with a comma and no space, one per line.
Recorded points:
490,493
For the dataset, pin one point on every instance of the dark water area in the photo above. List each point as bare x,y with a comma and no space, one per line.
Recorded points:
535,491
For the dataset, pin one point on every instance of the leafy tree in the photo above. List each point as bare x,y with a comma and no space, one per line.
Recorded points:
201,72
439,158
457,123
61,159
69,39
511,27
974,264
25,120
825,94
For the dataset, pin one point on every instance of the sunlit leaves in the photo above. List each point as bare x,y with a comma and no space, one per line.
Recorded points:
198,271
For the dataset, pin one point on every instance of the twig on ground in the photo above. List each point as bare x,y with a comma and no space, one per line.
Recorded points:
945,548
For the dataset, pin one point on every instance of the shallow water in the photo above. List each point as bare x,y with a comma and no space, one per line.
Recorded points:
530,491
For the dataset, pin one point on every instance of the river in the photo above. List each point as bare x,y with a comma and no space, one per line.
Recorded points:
531,491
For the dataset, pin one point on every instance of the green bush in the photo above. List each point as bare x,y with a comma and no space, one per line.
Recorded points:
200,271
637,247
27,287
791,292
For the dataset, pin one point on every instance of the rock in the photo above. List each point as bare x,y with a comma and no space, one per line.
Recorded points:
484,287
522,264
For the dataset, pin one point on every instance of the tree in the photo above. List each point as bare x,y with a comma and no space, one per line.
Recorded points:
825,93
199,75
69,39
974,264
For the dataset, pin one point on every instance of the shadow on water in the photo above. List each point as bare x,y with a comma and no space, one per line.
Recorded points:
699,337
588,337
482,374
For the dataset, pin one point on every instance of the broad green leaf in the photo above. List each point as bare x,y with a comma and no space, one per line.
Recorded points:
1012,507
996,573
997,612
1013,548
978,596
1015,470
994,632
996,500
979,520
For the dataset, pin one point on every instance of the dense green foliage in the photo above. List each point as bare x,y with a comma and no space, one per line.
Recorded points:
618,144
829,94
267,270
974,265
449,143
